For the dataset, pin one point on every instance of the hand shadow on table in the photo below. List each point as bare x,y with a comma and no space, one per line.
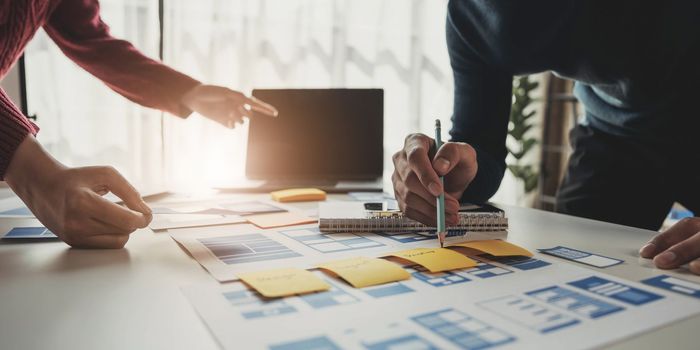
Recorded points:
72,259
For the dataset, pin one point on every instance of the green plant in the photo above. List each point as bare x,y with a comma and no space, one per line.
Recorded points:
520,123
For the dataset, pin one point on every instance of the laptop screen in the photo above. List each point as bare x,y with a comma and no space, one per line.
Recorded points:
319,134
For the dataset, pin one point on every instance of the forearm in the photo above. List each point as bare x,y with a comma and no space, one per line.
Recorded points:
76,27
14,128
487,181
30,165
482,98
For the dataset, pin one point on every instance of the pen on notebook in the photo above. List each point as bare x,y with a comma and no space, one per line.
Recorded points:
441,231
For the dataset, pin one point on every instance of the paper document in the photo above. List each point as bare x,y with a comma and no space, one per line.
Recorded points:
170,221
582,257
29,232
227,251
517,303
284,282
364,272
279,219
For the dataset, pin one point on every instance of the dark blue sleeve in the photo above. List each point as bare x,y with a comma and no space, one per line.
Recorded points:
482,99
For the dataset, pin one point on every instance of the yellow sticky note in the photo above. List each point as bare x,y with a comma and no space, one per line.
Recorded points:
436,259
299,195
279,219
495,247
364,272
283,282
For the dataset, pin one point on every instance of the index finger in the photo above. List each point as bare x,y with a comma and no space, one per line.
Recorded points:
677,233
117,184
417,148
116,215
260,106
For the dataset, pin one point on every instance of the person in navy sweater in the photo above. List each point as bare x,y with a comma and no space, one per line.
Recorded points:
635,153
69,200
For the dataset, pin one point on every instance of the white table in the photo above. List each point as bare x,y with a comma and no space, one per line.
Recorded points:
55,297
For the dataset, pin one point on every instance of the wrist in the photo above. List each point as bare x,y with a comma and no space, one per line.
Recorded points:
188,96
31,168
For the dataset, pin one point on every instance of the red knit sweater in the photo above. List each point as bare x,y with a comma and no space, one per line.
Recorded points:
76,27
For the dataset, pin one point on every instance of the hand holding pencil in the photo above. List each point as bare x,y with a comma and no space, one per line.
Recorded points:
417,175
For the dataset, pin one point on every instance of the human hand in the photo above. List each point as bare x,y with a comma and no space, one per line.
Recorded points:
416,177
224,106
676,246
69,202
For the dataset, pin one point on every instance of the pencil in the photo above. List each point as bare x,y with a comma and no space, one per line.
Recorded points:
441,231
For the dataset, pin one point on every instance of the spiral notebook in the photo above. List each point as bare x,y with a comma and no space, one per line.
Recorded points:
477,222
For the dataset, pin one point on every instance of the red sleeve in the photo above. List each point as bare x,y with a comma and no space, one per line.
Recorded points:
76,27
14,127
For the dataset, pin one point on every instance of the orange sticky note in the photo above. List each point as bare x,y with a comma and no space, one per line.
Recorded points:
495,247
283,282
279,219
299,195
365,272
436,259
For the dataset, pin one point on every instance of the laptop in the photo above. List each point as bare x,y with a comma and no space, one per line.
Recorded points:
330,139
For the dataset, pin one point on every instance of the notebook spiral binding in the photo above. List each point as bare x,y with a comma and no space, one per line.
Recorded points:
472,222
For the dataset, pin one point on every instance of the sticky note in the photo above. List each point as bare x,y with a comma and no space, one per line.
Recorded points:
283,282
279,219
437,259
495,247
299,195
365,272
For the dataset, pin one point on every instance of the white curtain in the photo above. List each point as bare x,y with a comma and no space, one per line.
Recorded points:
82,121
397,45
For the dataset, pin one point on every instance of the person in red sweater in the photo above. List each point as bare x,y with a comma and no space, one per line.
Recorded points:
69,200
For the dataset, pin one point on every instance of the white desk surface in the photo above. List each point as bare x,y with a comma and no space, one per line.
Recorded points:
52,296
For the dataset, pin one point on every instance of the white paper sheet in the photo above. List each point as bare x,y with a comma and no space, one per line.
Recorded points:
170,221
524,304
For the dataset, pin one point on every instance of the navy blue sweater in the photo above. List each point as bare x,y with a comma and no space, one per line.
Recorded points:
636,64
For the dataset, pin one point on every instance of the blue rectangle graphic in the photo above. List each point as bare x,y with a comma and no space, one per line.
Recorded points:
387,290
252,305
29,232
519,262
615,290
576,302
676,285
463,330
315,343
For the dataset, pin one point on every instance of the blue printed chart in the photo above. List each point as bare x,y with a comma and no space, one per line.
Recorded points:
676,285
247,248
503,303
447,278
463,330
330,243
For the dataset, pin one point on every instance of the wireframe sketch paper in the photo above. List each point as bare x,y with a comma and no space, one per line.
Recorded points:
170,221
227,251
212,213
512,303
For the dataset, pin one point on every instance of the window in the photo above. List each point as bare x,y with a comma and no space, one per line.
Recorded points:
397,45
